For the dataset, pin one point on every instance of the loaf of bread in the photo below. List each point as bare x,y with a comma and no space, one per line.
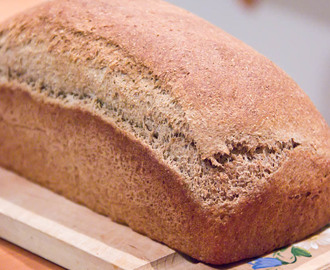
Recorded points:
154,117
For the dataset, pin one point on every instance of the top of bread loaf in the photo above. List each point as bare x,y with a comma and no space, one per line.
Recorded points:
175,75
226,89
171,78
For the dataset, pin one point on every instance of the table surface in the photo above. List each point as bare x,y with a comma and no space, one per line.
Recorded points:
14,257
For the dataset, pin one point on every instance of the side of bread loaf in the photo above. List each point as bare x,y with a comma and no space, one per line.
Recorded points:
154,117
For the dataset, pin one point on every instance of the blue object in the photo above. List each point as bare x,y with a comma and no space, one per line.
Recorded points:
265,263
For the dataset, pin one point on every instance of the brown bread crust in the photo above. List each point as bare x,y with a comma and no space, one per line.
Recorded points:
224,91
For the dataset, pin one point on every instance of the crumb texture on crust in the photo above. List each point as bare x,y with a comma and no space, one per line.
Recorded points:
222,118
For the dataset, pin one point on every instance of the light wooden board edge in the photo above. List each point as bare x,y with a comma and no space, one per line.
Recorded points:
60,244
67,247
321,262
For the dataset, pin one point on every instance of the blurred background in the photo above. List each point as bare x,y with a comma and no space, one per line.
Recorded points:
295,34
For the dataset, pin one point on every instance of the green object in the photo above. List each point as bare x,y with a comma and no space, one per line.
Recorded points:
297,251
